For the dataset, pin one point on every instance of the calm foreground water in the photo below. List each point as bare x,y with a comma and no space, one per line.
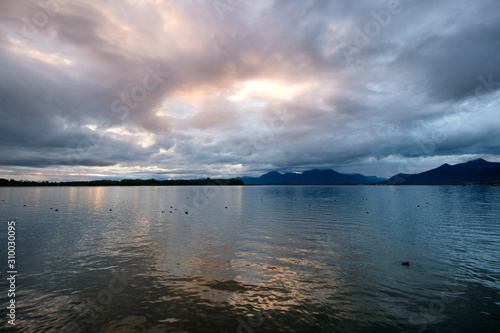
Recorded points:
253,259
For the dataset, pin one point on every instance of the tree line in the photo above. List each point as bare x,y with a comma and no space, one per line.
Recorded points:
125,182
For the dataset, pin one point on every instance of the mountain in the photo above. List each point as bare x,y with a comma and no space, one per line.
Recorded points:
311,177
476,171
375,179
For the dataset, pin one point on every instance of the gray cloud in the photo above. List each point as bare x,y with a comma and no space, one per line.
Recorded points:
126,88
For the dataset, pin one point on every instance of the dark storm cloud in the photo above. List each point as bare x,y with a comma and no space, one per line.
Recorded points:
452,66
178,87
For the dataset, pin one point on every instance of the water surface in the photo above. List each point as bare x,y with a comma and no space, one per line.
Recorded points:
255,259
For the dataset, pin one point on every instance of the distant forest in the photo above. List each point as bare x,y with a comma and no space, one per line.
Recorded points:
125,182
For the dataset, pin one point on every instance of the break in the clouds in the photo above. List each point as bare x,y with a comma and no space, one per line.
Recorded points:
187,88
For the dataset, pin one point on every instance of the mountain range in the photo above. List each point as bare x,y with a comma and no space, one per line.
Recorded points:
311,177
476,171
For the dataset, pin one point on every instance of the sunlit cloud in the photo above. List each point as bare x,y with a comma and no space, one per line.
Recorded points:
143,139
22,49
268,87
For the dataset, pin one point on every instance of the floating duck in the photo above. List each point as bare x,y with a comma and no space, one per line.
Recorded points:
407,263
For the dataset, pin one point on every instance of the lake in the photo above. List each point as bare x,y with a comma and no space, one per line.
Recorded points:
253,258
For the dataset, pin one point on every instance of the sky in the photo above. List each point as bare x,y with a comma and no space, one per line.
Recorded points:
225,88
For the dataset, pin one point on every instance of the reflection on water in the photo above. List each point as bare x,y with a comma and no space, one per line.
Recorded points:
256,259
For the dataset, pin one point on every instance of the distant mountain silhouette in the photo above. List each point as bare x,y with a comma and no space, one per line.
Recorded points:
311,177
476,171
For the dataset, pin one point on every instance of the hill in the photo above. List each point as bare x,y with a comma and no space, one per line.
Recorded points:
476,171
311,177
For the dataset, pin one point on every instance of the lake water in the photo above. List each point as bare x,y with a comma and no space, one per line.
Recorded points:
254,259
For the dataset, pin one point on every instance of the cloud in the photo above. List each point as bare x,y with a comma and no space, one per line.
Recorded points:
179,88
